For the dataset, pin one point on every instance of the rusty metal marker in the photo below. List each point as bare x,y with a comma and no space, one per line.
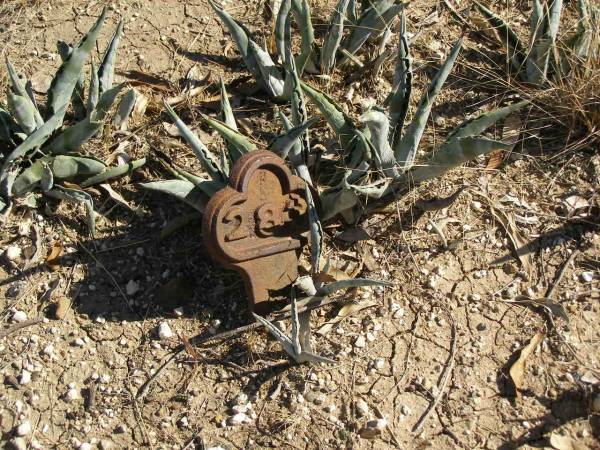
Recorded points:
256,224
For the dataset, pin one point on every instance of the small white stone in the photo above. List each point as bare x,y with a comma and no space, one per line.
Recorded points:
378,424
12,252
405,410
587,277
72,395
24,429
132,287
237,419
370,337
164,331
18,444
85,446
360,342
25,377
362,408
378,363
19,317
78,342
178,311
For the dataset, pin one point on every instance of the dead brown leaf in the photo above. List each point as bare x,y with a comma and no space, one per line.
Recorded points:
517,370
560,442
435,204
343,313
52,258
189,348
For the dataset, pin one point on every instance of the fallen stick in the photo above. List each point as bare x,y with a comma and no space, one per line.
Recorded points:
306,304
442,385
19,326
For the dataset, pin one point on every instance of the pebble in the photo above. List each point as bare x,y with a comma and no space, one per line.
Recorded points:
63,304
405,410
25,377
72,395
24,429
85,446
238,419
378,363
18,444
587,277
78,342
164,331
12,252
362,408
360,342
19,317
132,287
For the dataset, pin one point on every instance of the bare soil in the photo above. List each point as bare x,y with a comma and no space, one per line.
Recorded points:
459,305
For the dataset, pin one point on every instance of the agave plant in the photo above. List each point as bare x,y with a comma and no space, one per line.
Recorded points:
336,48
540,60
196,190
379,154
42,147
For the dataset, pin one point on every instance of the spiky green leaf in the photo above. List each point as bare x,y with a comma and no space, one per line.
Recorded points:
113,172
107,67
77,196
406,149
66,78
334,36
240,143
65,167
207,160
183,190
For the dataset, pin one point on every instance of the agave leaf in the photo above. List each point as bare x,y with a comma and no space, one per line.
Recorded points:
285,341
351,12
77,196
399,97
333,113
105,102
113,172
295,339
280,29
66,78
453,153
338,199
334,286
544,29
64,50
23,110
474,127
372,22
306,60
31,143
18,88
226,111
107,67
125,108
47,180
316,232
6,127
74,136
94,89
181,189
406,149
378,127
240,143
333,38
202,153
506,35
241,37
284,142
270,74
29,178
65,167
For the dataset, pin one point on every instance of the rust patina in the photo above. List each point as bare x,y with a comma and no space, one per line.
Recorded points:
256,226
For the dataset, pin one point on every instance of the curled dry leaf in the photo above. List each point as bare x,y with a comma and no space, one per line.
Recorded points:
560,442
352,235
52,260
517,370
435,204
343,313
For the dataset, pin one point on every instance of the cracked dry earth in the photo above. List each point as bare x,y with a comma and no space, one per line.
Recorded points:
82,335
